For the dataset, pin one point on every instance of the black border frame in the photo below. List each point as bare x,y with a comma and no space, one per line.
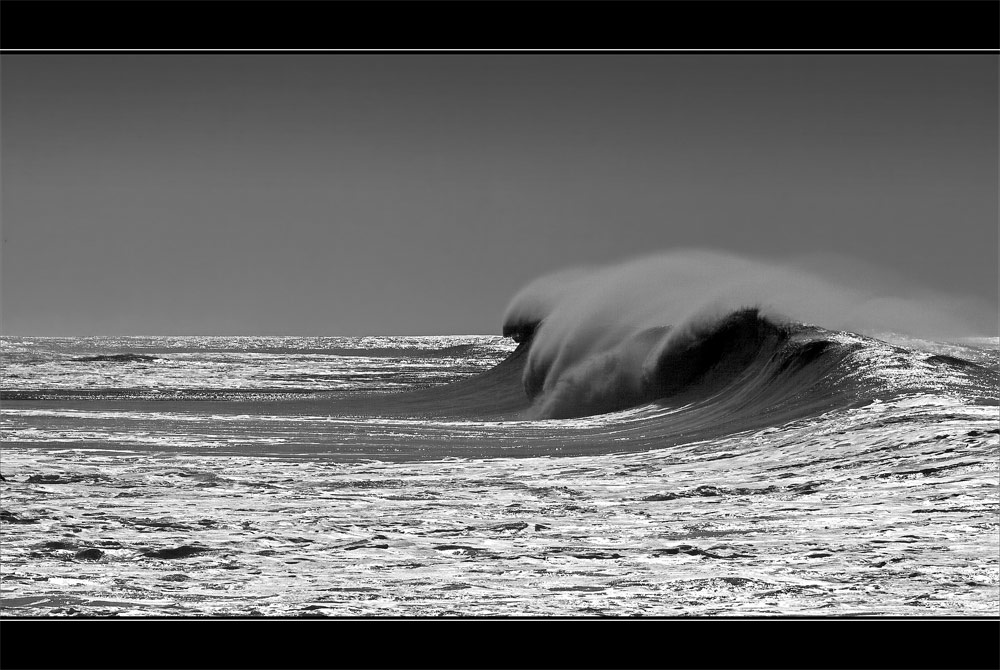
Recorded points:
472,26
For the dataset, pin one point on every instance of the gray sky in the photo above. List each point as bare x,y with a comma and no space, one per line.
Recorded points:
335,194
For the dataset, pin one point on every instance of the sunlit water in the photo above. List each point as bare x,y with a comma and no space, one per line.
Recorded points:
214,476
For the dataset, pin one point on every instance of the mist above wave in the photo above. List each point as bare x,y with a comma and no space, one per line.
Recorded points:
600,336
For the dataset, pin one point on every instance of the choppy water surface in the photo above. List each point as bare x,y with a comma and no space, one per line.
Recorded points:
235,367
286,476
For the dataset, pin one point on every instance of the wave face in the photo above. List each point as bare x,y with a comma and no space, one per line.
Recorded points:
666,386
687,324
654,364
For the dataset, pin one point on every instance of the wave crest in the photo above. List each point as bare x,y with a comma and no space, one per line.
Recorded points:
605,339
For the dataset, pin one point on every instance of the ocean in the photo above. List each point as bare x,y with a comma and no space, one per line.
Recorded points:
755,468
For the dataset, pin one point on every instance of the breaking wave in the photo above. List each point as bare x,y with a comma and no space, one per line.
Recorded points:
719,342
